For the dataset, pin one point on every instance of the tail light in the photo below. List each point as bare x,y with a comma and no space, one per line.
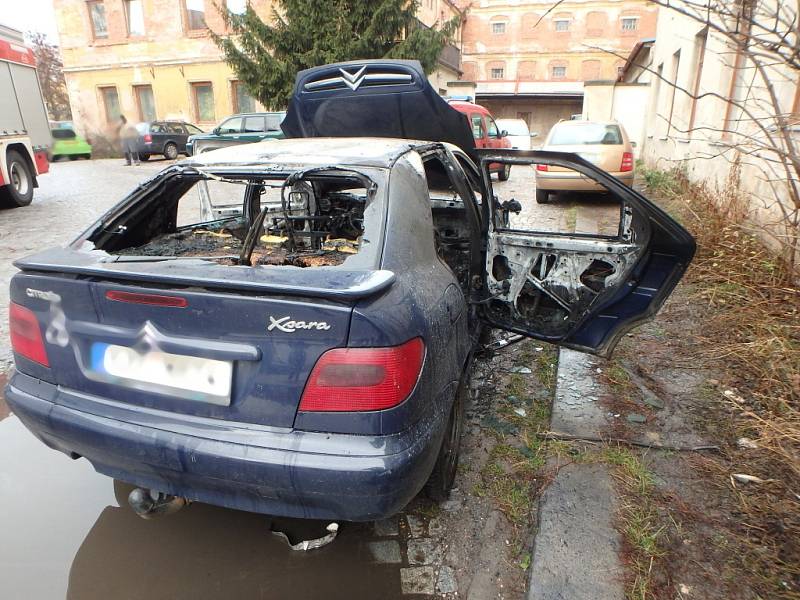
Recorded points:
541,167
361,379
26,336
627,162
148,138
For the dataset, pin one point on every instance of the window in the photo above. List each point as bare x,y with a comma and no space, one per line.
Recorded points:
233,125
243,102
97,14
630,23
237,7
492,126
559,72
498,72
253,125
676,61
203,96
477,127
63,134
134,16
145,102
111,103
191,129
584,134
700,52
562,24
195,15
274,122
498,28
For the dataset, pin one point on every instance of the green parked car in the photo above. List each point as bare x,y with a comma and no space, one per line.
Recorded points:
238,129
68,144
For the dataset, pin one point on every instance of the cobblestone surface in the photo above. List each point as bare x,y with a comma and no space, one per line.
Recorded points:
575,213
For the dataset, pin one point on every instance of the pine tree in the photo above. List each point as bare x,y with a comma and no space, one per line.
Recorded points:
308,33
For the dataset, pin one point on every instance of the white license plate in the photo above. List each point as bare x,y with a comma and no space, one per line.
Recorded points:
189,377
592,157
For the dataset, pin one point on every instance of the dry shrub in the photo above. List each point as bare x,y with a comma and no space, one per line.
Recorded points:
751,335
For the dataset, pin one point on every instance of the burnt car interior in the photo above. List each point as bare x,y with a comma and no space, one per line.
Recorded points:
453,235
307,218
545,272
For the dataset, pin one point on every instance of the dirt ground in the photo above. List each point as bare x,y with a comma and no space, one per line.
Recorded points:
692,530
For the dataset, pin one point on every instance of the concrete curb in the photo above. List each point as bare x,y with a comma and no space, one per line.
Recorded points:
576,549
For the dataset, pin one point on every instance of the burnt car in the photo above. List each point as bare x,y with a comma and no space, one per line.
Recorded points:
308,354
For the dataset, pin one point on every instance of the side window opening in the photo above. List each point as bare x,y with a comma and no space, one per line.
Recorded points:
477,127
451,229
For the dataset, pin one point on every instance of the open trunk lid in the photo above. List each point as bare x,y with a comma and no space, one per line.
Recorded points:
374,98
265,344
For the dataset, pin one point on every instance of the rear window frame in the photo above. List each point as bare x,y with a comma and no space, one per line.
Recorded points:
609,128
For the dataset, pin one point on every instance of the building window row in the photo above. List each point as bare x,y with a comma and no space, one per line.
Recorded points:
525,71
194,16
202,97
595,24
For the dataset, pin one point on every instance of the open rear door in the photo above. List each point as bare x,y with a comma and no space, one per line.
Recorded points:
581,271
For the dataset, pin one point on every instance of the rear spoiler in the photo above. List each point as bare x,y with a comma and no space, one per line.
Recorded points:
374,98
332,283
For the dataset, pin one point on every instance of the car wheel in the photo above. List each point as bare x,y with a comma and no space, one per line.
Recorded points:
503,174
74,157
145,156
19,191
441,480
542,196
87,157
170,151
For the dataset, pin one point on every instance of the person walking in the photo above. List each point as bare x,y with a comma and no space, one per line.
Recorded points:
129,137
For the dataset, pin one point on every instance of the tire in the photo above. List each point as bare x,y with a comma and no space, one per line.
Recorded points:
145,157
443,475
542,196
87,157
19,191
170,151
504,173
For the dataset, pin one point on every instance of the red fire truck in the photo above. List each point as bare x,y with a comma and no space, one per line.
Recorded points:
24,128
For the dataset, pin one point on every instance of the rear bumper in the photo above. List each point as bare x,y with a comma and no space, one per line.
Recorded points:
242,466
571,181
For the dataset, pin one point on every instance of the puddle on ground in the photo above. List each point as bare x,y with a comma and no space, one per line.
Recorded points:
65,536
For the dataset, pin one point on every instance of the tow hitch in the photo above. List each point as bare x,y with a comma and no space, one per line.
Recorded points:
149,504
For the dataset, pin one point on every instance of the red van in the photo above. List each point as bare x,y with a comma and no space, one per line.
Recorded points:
485,132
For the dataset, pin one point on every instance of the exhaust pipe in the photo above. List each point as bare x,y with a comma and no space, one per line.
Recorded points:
149,504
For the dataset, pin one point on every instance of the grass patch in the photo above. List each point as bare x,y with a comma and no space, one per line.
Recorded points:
513,465
546,362
571,218
639,520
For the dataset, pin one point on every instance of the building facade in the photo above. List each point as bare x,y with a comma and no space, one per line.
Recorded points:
530,59
727,114
155,59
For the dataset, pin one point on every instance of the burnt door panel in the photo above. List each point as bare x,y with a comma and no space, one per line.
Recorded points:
580,271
